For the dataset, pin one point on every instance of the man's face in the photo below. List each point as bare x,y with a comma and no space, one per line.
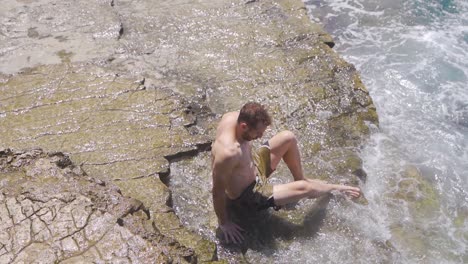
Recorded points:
254,133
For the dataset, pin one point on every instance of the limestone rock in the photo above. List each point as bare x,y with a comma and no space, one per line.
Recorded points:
56,213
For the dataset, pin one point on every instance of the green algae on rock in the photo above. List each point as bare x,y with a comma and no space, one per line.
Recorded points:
420,195
422,199
114,127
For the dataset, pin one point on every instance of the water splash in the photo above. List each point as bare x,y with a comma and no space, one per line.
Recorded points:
413,59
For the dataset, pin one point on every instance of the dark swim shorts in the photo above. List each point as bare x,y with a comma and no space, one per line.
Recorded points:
259,194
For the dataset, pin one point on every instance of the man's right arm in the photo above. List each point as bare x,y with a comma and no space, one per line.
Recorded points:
223,166
219,193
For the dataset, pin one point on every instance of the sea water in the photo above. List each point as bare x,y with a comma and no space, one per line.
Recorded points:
413,57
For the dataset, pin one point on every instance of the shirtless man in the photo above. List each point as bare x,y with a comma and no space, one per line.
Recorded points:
235,168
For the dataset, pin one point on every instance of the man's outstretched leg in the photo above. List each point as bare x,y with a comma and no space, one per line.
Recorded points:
294,191
284,146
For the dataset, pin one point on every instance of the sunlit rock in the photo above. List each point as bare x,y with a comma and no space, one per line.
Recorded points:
114,127
55,213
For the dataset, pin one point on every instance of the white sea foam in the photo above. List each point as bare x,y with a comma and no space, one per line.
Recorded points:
413,58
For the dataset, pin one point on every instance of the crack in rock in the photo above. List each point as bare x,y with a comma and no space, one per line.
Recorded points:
61,215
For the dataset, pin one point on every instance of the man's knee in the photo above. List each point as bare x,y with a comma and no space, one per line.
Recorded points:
288,136
308,189
303,187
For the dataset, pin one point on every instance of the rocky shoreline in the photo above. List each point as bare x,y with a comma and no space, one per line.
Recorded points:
135,86
53,212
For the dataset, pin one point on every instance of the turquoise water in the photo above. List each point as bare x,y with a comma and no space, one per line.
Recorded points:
413,58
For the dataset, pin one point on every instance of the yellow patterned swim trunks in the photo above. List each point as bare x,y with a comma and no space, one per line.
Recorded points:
259,194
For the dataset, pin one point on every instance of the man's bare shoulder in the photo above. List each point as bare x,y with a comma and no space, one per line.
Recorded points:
227,122
233,114
226,145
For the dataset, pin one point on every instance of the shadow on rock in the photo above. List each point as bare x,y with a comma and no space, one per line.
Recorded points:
264,229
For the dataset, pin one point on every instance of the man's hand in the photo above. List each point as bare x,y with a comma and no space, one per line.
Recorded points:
232,232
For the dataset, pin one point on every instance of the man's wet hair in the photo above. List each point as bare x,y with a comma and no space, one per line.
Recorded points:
253,114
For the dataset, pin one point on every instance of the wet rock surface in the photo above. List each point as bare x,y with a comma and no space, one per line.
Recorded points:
127,87
45,32
51,211
114,127
422,198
